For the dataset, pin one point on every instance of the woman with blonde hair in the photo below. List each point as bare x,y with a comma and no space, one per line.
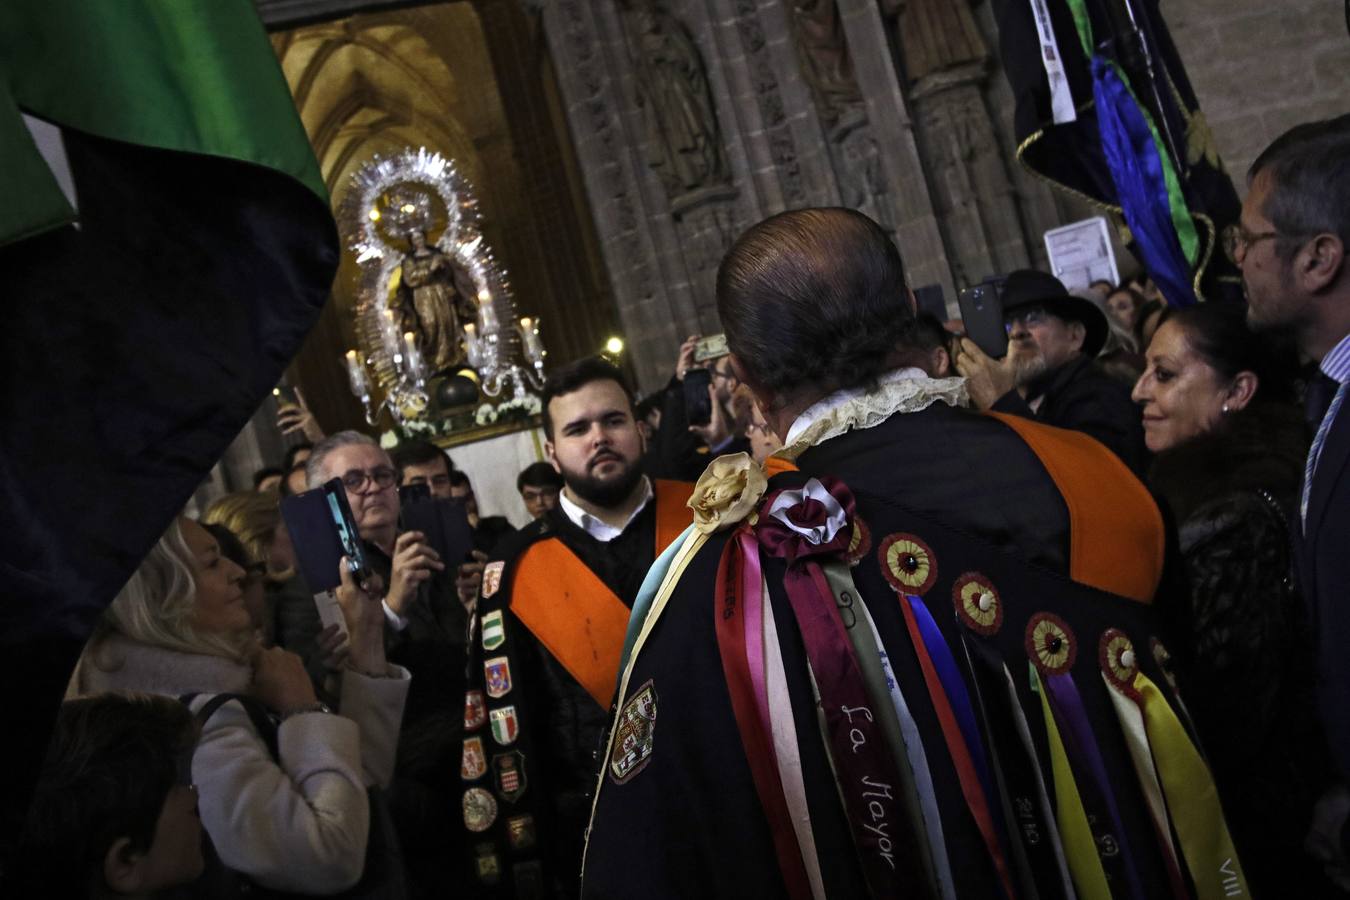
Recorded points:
291,817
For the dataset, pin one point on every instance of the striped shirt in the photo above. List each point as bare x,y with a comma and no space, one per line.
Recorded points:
1336,364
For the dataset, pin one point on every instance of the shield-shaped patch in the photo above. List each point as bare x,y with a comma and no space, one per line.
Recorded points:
492,578
509,772
473,762
498,672
634,735
494,630
505,728
475,710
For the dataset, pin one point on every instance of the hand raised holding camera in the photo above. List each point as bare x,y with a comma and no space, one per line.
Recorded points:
414,562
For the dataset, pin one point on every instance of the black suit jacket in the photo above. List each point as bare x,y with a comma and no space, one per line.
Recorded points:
1079,396
1325,564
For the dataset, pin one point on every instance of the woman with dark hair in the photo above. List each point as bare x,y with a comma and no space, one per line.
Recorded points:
1229,445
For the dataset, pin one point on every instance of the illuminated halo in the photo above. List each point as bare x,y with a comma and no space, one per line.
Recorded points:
423,180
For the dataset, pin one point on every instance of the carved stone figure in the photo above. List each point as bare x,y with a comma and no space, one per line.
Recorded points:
684,144
440,301
935,35
825,61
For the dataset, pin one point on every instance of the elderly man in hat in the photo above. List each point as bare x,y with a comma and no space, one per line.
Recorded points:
1050,373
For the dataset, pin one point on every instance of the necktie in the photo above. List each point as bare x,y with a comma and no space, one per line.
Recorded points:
1317,398
1322,386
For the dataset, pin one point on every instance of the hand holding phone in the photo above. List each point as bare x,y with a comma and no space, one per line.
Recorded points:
697,403
414,562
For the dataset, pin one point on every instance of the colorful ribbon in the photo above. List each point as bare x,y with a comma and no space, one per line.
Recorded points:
755,736
967,770
1037,852
1080,849
1094,786
1192,798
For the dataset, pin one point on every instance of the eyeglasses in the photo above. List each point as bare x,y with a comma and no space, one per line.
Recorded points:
1240,239
356,480
1027,315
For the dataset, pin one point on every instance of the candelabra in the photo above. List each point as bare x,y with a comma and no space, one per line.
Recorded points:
485,344
407,398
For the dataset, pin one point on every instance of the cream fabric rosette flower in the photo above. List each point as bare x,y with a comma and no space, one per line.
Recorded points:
727,492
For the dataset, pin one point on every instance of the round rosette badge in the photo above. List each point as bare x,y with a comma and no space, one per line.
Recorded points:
978,604
908,563
1115,652
814,520
1051,644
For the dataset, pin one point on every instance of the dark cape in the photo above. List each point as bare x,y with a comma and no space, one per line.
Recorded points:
689,820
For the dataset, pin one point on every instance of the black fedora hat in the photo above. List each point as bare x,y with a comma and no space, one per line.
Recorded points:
1027,287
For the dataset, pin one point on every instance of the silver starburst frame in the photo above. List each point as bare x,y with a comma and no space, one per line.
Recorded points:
413,178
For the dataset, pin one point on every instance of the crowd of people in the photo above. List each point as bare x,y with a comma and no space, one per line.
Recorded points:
760,577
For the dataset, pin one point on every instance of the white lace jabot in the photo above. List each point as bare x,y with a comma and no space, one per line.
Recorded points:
901,391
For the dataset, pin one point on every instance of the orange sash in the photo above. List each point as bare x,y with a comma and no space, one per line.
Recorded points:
573,613
1112,516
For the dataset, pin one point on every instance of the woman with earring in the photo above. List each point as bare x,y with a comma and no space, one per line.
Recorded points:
1229,444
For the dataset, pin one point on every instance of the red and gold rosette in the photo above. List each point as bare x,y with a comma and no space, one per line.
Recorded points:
908,563
1051,644
977,604
1115,653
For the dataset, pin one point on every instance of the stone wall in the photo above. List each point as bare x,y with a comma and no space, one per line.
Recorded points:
1260,68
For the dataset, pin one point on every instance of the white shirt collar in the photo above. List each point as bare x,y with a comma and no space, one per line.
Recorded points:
825,405
601,531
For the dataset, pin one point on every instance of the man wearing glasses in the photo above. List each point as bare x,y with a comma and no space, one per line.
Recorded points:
426,633
1049,373
1290,245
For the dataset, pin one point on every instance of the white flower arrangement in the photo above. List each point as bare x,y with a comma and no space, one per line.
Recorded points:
389,440
485,414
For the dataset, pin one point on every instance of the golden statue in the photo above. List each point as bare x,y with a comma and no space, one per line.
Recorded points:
441,301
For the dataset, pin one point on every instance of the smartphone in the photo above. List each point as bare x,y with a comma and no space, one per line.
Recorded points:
710,347
697,406
413,493
445,525
323,530
285,395
982,316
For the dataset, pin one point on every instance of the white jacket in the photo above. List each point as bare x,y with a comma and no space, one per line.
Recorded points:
298,824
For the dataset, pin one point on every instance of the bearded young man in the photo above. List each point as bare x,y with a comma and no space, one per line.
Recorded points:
868,677
550,626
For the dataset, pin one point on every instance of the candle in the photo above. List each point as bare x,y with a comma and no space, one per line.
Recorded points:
356,373
534,348
486,313
410,354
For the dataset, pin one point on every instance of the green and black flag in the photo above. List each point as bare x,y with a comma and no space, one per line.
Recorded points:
1105,111
143,322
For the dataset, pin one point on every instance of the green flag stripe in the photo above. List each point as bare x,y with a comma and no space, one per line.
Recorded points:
199,77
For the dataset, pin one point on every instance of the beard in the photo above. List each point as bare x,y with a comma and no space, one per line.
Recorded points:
604,492
1028,368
